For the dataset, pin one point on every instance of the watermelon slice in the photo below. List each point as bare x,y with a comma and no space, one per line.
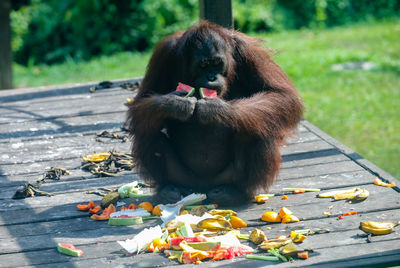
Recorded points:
182,87
204,92
69,249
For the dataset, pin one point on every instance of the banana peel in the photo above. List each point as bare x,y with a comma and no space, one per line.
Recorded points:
274,243
378,228
358,195
355,194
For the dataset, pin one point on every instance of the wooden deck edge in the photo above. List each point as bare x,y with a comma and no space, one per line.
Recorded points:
17,91
357,158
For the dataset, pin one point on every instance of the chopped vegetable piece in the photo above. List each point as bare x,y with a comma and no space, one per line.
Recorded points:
263,258
237,222
284,197
132,206
302,255
302,189
341,217
276,253
69,249
350,213
271,216
379,182
124,220
210,206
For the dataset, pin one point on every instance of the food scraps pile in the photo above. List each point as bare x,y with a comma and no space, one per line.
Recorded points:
193,233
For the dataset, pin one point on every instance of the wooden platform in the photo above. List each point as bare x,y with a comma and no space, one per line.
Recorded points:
54,127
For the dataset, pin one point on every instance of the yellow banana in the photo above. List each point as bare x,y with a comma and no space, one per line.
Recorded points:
377,228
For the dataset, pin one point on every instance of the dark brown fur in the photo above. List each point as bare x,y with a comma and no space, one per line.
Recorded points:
256,109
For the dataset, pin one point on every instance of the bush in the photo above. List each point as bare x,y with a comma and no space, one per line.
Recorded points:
49,31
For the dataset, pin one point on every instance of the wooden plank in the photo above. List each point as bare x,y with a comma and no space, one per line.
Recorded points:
318,170
326,181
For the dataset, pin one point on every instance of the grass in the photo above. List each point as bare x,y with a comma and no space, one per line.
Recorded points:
359,108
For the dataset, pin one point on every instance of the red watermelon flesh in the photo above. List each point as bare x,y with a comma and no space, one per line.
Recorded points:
183,87
204,92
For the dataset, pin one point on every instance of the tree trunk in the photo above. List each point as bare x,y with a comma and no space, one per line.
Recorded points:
5,45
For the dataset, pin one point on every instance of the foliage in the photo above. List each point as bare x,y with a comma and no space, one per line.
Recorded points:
357,107
49,31
80,29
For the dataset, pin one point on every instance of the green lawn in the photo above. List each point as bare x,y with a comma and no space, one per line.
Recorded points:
359,108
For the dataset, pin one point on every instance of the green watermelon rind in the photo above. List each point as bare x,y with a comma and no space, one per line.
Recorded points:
190,93
68,251
125,221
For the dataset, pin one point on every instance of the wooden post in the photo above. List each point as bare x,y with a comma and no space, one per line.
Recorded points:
217,11
5,45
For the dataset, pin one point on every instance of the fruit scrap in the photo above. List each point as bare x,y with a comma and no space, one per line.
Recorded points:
302,255
237,222
96,157
110,198
215,224
69,249
274,243
257,236
271,216
355,194
105,215
82,207
262,198
297,238
156,211
378,228
221,212
379,182
284,197
95,209
299,191
284,216
146,205
198,210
